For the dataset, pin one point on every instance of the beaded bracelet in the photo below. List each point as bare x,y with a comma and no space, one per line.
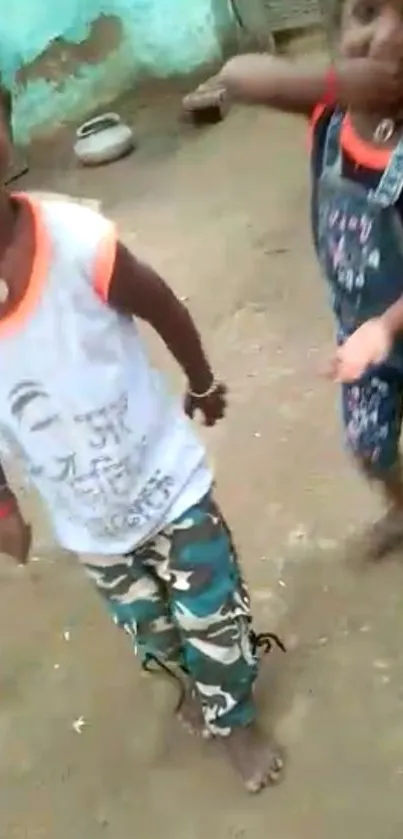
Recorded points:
209,392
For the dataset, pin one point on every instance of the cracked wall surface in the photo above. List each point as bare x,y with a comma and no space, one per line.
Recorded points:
63,60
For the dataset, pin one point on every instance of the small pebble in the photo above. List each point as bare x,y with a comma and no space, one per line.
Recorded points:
66,635
297,536
380,665
78,725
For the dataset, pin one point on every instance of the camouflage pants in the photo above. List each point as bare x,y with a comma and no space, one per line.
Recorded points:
182,599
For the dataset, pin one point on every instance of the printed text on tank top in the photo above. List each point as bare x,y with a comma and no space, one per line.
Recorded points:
109,451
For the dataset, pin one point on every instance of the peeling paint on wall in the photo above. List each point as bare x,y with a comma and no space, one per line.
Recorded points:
62,58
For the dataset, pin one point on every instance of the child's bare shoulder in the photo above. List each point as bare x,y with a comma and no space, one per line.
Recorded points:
72,220
64,207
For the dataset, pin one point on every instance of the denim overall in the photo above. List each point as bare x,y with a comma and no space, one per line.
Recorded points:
358,237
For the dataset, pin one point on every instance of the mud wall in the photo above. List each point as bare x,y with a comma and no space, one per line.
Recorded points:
64,59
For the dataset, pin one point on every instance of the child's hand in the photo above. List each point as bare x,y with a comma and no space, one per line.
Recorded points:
213,405
15,533
370,344
211,94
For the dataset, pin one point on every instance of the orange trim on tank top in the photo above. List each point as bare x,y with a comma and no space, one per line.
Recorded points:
39,270
105,263
362,152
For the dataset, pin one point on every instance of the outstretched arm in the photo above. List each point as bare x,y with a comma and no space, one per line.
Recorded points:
136,289
297,86
276,82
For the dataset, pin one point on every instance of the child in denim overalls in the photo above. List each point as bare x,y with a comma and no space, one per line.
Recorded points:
357,220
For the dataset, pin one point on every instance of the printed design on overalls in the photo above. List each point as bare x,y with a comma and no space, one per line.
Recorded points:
359,239
350,242
366,428
113,459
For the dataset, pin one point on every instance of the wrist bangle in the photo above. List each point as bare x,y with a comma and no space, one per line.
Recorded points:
331,91
210,390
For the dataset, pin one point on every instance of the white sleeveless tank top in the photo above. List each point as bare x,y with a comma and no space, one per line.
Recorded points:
112,455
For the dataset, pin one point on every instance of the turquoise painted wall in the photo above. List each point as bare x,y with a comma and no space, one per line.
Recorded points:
160,37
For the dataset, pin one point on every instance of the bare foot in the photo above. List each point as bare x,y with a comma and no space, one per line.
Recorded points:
384,536
257,762
190,714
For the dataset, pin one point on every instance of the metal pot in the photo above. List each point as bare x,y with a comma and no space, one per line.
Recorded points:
103,139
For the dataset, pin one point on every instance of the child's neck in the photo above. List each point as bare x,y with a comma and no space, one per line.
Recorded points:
17,249
8,216
366,124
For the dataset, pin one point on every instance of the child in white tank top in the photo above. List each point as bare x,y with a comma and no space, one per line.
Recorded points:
116,461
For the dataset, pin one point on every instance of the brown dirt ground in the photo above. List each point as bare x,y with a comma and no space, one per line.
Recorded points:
223,214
